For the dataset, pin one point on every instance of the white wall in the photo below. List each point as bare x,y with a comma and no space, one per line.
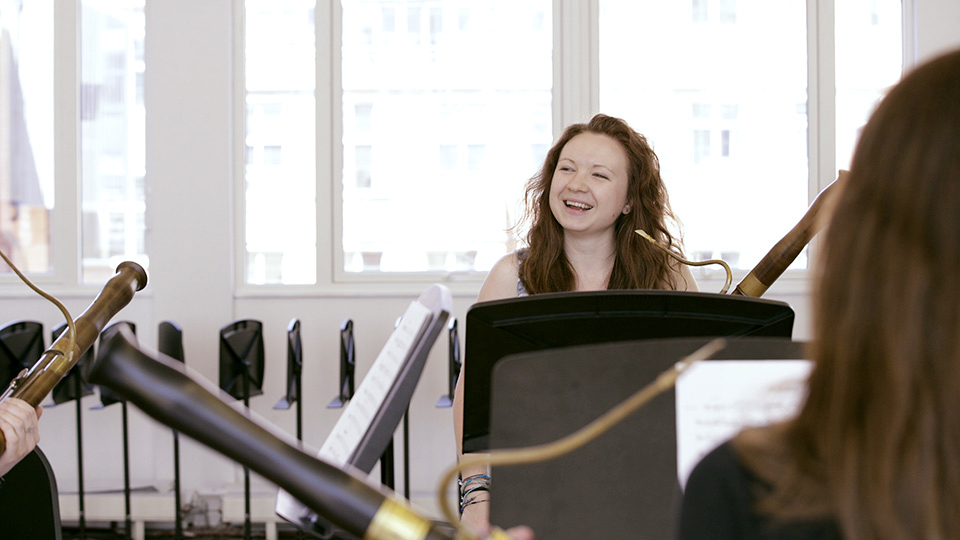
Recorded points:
938,27
190,183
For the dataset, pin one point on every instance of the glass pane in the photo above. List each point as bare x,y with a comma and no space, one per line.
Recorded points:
869,60
724,108
281,209
112,131
446,114
26,134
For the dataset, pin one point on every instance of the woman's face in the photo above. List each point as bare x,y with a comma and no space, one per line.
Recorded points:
589,187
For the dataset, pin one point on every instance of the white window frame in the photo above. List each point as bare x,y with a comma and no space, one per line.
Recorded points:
65,244
576,98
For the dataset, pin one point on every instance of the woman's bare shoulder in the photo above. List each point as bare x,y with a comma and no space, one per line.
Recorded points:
501,281
683,278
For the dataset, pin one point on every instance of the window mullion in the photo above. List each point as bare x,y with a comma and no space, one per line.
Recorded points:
909,28
239,143
65,230
822,99
329,137
576,61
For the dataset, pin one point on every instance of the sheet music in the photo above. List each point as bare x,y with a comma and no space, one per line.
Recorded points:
360,411
716,399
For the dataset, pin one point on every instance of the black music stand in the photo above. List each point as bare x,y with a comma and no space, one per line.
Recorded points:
294,374
170,344
348,365
241,376
72,387
29,501
294,379
546,321
109,397
453,364
377,434
624,484
21,345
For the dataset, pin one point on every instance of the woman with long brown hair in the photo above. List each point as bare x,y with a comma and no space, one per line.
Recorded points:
874,452
600,182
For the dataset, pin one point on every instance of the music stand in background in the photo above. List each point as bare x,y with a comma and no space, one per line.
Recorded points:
294,380
348,365
453,364
547,321
624,484
109,397
170,344
21,345
72,387
241,376
294,374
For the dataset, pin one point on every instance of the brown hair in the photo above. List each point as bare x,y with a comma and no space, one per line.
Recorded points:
637,264
876,444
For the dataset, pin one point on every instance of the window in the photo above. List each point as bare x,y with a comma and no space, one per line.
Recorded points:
280,176
110,190
726,109
440,111
453,111
112,136
869,44
26,135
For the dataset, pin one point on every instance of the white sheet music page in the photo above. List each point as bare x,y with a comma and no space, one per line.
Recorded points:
360,411
716,399
367,400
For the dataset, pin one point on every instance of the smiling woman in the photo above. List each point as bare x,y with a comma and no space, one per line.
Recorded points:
599,183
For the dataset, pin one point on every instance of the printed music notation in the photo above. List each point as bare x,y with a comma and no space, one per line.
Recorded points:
716,399
361,410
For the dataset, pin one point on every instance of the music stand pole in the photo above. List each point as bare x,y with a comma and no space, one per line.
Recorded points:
386,466
297,384
246,471
82,518
406,454
178,514
126,473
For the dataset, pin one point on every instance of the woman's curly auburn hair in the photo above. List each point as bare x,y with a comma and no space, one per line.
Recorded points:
637,264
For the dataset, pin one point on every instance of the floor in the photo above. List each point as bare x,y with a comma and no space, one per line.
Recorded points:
117,533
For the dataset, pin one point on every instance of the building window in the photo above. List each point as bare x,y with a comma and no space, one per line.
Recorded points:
26,136
113,137
440,103
448,148
280,180
746,104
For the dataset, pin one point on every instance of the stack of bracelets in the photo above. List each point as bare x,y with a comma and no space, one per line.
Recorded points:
472,485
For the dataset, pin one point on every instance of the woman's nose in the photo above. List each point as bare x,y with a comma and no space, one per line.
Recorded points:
578,183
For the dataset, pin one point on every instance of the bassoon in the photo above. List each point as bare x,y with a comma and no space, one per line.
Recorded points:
161,388
34,385
782,255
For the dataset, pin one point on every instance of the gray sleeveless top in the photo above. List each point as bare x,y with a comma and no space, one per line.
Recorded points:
521,255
